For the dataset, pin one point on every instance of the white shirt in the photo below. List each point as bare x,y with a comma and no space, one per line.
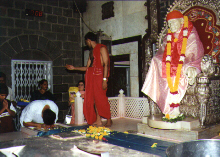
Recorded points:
10,94
33,111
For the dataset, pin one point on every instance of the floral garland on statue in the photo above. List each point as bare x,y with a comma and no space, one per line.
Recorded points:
173,120
174,89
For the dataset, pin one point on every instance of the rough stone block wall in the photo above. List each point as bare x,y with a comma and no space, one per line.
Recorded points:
55,36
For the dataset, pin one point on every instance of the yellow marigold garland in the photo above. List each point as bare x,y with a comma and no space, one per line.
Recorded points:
174,88
95,132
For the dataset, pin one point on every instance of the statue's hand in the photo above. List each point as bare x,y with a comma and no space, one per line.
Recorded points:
191,73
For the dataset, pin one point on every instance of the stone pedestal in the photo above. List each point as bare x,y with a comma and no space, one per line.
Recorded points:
156,122
180,135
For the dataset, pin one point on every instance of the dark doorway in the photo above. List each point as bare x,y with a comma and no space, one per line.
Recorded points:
118,76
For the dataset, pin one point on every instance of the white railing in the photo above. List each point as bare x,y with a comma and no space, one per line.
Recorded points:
121,107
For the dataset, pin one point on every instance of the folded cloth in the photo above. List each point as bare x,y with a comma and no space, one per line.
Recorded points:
12,151
80,152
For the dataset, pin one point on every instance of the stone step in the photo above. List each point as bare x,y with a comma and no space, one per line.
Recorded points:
181,135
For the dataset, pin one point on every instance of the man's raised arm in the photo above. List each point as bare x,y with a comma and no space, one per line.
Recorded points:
71,67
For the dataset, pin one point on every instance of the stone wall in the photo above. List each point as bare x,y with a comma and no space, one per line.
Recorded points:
55,36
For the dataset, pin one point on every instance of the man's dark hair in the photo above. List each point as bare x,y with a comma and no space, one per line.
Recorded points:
3,75
41,82
49,117
3,88
92,36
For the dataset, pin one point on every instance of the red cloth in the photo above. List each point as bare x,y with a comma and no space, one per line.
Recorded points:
205,22
94,94
174,14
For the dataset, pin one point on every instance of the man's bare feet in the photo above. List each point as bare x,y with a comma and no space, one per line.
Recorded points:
108,123
97,124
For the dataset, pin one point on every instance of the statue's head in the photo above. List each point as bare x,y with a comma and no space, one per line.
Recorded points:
175,20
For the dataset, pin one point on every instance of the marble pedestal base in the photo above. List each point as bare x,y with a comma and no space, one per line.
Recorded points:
179,135
156,122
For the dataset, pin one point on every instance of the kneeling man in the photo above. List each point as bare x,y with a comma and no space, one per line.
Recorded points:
40,114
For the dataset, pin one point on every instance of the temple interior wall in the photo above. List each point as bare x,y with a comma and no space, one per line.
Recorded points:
55,36
128,21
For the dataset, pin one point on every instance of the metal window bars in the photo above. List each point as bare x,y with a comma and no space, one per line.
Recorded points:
26,74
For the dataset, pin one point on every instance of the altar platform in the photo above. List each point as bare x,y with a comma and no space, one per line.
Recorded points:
181,131
117,144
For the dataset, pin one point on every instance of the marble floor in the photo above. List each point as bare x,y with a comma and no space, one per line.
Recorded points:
125,124
12,136
119,144
119,124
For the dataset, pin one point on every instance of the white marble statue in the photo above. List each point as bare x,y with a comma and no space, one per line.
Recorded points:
175,65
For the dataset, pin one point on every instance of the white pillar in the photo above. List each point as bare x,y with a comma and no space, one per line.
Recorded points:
79,118
121,105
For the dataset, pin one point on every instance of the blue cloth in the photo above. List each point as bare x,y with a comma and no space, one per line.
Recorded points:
55,131
130,141
21,103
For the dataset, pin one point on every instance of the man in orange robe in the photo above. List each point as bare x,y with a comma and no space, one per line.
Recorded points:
97,70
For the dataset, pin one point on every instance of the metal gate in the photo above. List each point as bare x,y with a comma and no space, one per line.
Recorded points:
26,74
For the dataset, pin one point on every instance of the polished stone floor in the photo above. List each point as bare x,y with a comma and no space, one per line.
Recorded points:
49,147
119,144
119,124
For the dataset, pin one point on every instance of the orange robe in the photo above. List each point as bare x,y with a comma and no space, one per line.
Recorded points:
94,94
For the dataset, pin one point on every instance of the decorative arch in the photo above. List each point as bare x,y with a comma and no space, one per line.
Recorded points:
14,47
27,47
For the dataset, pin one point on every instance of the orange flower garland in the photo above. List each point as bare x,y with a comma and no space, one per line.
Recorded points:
174,89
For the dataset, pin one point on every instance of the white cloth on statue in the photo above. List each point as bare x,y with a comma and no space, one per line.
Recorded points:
33,111
156,87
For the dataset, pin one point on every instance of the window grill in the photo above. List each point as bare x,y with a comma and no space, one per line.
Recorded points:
26,74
